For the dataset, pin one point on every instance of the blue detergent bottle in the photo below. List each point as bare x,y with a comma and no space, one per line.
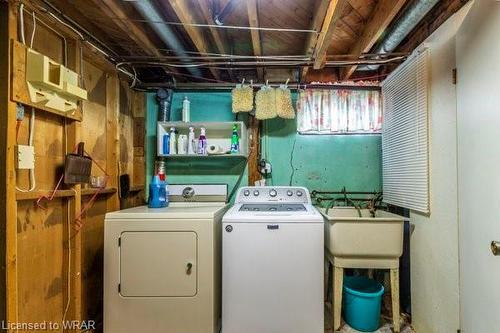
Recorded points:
158,193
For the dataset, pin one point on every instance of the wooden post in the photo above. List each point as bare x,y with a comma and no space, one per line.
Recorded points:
72,137
112,138
253,156
8,205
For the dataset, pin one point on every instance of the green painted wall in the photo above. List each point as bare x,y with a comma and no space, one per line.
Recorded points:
207,106
319,162
322,162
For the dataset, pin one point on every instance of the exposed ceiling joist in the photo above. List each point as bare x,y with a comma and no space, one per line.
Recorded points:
136,33
383,15
253,19
318,18
183,12
332,17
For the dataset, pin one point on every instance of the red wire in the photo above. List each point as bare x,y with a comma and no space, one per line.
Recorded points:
78,219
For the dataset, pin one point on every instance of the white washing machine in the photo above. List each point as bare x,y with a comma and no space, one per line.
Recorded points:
162,267
272,262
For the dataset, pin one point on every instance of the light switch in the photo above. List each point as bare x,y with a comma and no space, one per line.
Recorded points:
25,157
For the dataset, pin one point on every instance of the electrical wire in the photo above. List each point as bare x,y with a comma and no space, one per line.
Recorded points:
21,23
33,32
68,226
204,25
291,160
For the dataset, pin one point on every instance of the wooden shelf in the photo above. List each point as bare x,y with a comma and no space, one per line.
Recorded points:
34,195
92,191
136,188
214,156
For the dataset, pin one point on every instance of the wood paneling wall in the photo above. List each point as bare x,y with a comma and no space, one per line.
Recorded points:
35,242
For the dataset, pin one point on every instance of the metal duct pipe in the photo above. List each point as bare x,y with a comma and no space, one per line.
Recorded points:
413,15
150,13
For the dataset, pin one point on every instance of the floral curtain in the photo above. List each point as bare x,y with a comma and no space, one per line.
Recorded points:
339,111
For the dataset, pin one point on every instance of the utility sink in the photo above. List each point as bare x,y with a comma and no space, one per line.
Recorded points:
363,241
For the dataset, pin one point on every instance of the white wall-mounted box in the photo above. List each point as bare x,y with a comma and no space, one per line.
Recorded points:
25,157
51,83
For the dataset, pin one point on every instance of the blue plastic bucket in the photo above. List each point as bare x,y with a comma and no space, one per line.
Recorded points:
362,298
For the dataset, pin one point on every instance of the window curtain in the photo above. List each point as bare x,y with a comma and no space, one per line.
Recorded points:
339,111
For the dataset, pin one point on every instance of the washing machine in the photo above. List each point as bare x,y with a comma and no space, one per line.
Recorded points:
272,262
162,267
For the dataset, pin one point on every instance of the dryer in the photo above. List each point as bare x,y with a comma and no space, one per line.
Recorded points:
162,267
272,262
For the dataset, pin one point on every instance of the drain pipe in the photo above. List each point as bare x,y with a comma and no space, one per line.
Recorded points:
405,25
150,13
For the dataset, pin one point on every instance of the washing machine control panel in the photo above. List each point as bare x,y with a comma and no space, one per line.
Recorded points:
285,194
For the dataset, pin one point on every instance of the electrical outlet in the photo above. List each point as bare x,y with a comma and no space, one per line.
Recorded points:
25,157
265,167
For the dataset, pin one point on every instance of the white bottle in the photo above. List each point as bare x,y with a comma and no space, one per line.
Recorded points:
186,113
191,142
173,141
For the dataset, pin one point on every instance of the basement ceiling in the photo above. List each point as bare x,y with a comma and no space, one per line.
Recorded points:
275,40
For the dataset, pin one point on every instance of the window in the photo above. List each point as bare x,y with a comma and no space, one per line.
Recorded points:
339,111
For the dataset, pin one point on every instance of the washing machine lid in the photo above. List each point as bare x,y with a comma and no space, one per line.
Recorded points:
175,210
277,213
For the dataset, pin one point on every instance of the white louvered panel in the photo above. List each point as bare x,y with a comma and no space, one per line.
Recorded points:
405,138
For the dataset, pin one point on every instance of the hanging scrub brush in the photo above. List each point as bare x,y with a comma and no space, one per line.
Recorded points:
242,97
265,103
284,108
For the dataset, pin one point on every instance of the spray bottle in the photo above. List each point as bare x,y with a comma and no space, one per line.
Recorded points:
202,142
235,140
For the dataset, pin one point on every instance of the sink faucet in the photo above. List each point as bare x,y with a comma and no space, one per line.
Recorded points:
372,204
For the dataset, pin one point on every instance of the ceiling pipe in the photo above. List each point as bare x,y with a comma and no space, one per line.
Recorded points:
412,16
166,34
220,15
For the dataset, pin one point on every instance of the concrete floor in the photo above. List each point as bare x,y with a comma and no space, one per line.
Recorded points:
386,325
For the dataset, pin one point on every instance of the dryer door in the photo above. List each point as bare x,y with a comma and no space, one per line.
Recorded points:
158,264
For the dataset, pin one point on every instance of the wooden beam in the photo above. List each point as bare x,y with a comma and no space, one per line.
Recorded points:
316,23
332,17
383,15
183,12
113,9
253,19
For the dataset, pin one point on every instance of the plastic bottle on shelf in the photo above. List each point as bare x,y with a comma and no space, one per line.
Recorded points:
186,112
173,141
235,140
202,142
166,144
191,143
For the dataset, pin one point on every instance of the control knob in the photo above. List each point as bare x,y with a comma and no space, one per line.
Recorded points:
273,193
